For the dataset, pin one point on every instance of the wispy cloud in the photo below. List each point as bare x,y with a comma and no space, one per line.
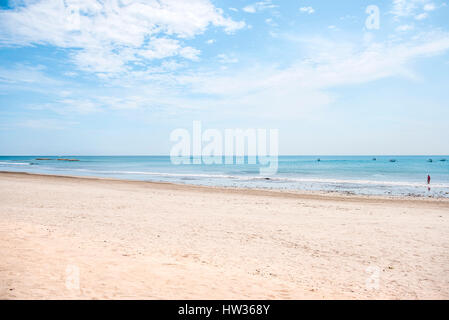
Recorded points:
345,64
412,8
303,85
404,27
46,124
294,88
308,10
404,8
270,22
110,36
421,16
429,7
226,59
259,6
23,77
25,74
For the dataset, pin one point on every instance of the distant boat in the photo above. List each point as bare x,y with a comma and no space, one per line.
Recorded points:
392,160
430,160
63,159
318,159
442,159
374,159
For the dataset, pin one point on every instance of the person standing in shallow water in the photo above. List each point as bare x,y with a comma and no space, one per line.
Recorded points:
428,179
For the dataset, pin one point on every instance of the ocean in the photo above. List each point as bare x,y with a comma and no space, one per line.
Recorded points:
367,175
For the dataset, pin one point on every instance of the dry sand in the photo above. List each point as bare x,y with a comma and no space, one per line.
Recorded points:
130,239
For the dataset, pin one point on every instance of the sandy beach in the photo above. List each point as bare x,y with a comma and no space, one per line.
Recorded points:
87,238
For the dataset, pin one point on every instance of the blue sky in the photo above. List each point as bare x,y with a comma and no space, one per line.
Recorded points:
116,77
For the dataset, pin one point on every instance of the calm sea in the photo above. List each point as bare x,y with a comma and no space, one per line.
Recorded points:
380,175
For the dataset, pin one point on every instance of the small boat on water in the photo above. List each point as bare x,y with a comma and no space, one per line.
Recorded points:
63,159
374,159
392,160
430,160
318,159
442,159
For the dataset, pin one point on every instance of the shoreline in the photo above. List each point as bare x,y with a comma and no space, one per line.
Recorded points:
300,194
124,239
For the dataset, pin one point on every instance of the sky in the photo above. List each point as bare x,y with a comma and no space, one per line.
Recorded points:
85,77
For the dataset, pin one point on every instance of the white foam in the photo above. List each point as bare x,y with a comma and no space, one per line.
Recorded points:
280,179
360,182
16,163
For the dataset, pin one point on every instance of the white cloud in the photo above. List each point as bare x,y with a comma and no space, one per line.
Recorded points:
408,8
226,59
403,8
421,16
170,65
294,90
259,6
429,7
303,85
210,41
308,10
70,105
70,74
190,53
249,9
106,36
270,22
26,77
404,27
159,48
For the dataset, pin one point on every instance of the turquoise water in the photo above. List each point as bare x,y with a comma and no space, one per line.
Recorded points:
349,174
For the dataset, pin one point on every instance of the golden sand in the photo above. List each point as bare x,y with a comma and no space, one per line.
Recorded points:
67,237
